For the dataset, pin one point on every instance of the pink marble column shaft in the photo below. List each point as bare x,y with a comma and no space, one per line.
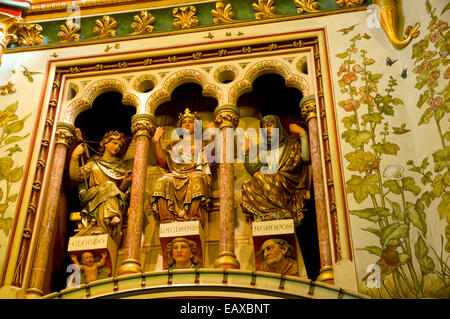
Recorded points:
143,129
64,136
308,107
227,117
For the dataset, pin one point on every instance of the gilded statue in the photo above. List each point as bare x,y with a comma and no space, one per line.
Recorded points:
104,187
277,256
182,253
183,193
280,177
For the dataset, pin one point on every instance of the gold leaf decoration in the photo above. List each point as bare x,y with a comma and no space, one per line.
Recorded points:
306,6
7,89
69,32
185,17
105,28
223,13
265,9
349,3
143,23
29,35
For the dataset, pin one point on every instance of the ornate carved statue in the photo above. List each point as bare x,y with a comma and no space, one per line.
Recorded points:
104,181
277,256
280,178
184,192
182,253
91,270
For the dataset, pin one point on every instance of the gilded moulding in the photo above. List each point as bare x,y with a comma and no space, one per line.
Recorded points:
105,28
306,6
223,13
29,35
7,88
143,23
8,28
389,20
264,9
69,32
349,3
185,17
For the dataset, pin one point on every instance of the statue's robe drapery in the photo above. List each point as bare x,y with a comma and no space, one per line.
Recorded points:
184,192
103,199
280,192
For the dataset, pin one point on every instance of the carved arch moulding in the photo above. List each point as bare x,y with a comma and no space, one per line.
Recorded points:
225,71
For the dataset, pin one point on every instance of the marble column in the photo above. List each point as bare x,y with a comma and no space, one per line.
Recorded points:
308,109
226,119
143,128
64,136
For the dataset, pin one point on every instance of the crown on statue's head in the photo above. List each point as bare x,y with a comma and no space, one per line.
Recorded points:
187,113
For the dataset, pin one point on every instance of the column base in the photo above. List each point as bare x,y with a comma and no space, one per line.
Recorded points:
226,260
129,266
326,275
34,293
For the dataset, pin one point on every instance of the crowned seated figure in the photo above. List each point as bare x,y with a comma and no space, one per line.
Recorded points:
183,193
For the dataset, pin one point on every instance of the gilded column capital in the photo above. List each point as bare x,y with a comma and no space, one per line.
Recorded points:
143,124
8,30
226,116
308,107
65,133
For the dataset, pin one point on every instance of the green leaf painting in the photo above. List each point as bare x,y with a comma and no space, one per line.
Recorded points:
11,127
396,200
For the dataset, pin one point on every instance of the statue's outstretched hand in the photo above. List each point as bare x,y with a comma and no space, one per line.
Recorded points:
158,134
296,129
78,151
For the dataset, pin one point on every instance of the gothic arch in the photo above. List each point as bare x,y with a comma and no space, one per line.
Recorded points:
177,79
93,91
266,67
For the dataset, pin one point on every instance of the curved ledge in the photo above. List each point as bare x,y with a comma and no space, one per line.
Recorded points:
208,283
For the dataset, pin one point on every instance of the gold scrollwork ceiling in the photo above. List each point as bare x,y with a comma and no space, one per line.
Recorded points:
69,32
143,23
223,13
349,3
29,35
185,17
306,6
105,28
265,9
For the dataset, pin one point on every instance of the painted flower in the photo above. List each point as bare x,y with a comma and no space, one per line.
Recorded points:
434,75
351,105
358,69
436,103
425,65
443,54
349,78
447,73
393,172
342,69
435,36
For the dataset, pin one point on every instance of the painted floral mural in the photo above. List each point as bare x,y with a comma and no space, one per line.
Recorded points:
11,126
397,199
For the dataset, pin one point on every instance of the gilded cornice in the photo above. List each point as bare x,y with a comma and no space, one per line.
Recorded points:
172,19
